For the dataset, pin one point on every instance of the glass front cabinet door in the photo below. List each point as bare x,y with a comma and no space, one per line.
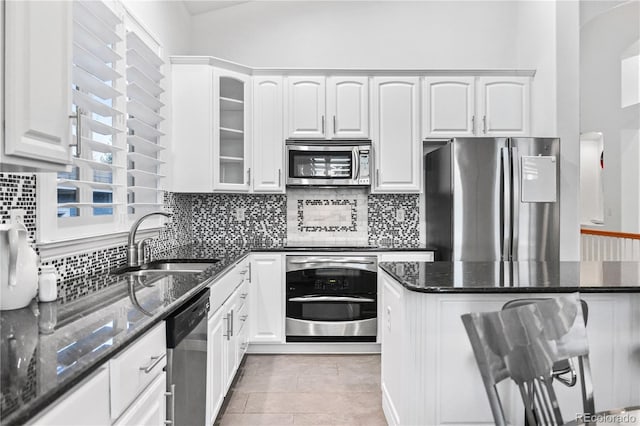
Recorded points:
231,131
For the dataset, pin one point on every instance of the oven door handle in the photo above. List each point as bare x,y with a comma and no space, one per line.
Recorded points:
357,262
355,164
306,299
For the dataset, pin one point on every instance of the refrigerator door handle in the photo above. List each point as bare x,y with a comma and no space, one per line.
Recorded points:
515,200
506,203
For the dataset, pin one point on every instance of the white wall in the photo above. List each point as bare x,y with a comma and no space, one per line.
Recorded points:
610,34
536,49
568,121
361,34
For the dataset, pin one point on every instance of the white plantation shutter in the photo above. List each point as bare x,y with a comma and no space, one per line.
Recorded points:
117,76
91,191
144,90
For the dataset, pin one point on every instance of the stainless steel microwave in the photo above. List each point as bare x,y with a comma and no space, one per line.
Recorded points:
328,163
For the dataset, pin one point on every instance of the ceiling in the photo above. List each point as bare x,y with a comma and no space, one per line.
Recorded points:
196,7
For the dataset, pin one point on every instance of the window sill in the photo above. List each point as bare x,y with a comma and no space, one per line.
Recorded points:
64,248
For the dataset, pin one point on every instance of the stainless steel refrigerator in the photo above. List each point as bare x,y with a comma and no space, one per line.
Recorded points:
493,199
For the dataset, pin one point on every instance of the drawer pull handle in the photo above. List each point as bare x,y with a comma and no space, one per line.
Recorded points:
244,295
244,317
155,360
244,272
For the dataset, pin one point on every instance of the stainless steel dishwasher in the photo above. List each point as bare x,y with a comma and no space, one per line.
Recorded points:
187,362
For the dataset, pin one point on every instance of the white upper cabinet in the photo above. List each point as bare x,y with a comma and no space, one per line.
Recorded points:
348,107
211,135
231,131
504,106
192,132
396,139
268,139
306,107
476,106
326,108
448,106
37,86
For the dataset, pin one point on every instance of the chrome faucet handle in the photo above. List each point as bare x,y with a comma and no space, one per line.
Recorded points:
144,251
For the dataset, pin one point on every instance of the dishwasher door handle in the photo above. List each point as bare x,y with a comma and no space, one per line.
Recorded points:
172,405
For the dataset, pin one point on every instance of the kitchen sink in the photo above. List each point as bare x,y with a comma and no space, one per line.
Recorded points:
167,266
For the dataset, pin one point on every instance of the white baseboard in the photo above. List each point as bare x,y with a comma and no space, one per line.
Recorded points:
314,348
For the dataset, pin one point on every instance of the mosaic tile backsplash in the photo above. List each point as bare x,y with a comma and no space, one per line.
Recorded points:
318,216
18,191
327,217
394,220
238,219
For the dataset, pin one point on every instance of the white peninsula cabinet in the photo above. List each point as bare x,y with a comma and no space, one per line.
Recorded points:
211,128
455,106
37,86
268,138
327,107
430,376
396,140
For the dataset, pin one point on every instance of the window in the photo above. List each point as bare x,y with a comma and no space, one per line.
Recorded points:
117,77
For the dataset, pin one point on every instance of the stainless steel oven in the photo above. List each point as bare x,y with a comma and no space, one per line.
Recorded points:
328,163
331,298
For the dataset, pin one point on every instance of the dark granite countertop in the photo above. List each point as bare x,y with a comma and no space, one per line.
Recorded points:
60,343
516,277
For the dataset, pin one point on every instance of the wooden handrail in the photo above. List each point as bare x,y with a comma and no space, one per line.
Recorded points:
610,233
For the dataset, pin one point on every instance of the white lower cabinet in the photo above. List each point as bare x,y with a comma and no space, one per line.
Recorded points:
267,298
230,347
227,339
86,404
215,365
133,370
149,409
128,390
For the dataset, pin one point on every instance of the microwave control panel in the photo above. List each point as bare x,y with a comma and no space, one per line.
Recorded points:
363,175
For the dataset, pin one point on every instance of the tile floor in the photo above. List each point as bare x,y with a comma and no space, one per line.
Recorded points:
306,390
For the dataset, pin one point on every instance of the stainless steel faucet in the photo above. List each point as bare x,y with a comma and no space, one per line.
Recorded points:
134,250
